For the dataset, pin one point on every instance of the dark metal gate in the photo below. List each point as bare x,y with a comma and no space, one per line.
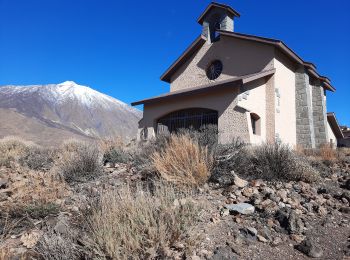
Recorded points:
193,118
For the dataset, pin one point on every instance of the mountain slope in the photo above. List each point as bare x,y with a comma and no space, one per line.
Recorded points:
68,108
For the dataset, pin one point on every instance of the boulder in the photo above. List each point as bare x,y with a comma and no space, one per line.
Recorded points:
290,221
242,208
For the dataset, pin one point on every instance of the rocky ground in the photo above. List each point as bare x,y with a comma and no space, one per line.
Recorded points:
251,219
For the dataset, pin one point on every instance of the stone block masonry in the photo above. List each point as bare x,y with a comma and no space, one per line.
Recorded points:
304,114
319,114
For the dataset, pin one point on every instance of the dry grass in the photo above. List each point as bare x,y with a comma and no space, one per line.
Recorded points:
79,161
325,153
14,151
108,144
183,161
11,149
6,254
55,246
142,223
33,191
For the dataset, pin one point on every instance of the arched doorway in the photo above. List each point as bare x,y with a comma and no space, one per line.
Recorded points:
193,118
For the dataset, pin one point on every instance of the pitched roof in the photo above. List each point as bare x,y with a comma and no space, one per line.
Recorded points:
229,83
212,5
195,46
333,122
280,45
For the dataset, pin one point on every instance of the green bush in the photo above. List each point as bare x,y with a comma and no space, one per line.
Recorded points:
38,211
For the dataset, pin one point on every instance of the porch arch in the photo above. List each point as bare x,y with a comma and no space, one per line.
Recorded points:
193,118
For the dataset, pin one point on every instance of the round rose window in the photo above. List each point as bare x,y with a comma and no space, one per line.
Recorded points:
214,70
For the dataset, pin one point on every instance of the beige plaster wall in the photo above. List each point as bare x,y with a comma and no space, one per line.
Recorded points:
285,111
253,100
232,120
331,137
239,57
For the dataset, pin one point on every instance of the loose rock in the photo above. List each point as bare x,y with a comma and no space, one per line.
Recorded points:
239,182
310,249
243,208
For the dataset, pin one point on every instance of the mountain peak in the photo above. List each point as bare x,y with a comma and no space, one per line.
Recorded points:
68,83
72,107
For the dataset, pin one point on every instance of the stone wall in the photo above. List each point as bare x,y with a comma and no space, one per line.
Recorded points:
319,114
304,115
227,24
270,110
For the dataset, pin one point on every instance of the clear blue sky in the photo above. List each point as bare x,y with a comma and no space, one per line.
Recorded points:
122,47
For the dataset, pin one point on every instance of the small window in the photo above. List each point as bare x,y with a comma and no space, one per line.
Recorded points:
255,119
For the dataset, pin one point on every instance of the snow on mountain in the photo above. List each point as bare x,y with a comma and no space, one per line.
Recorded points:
73,107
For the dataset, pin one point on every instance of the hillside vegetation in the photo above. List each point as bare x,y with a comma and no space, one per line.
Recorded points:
177,197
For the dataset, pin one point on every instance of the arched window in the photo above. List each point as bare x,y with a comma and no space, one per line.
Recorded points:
256,125
193,118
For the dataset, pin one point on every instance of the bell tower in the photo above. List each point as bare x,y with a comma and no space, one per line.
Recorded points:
217,17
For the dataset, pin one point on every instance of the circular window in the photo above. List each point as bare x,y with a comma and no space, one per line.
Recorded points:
214,70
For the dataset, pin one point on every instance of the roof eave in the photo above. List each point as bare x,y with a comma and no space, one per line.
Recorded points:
332,120
213,4
238,81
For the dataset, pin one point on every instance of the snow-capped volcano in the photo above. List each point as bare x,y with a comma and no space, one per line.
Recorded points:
72,107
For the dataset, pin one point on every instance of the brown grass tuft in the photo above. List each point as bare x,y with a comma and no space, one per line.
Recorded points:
142,223
111,143
183,161
34,193
328,153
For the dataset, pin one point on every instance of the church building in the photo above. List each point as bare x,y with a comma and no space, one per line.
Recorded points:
251,87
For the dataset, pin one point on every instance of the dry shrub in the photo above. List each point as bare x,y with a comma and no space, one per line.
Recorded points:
206,136
5,253
11,149
110,143
142,223
79,161
34,192
56,246
328,153
141,155
183,161
116,155
14,151
325,153
278,162
38,158
229,157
